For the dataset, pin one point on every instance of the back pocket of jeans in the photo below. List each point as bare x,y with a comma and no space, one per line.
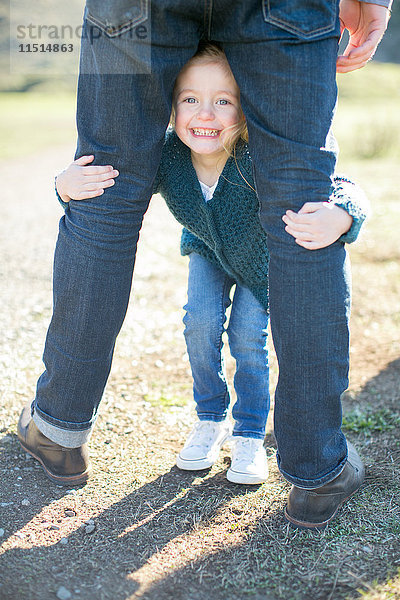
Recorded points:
115,17
304,19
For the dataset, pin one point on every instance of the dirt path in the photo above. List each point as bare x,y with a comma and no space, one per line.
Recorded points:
158,532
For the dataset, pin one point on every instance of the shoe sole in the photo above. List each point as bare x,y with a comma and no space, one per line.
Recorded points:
305,525
201,464
193,465
236,477
70,480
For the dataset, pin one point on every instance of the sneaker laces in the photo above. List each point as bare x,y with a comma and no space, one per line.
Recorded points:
245,448
202,434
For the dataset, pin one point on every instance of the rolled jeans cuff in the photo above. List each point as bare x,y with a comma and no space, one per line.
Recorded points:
63,434
312,484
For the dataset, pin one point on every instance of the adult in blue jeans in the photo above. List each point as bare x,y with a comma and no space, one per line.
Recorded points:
284,58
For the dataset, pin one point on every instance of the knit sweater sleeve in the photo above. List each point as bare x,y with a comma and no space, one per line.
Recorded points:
351,197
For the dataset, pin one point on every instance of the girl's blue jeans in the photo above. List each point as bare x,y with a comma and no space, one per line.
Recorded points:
283,56
208,301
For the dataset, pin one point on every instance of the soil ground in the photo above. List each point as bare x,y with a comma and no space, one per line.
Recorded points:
160,532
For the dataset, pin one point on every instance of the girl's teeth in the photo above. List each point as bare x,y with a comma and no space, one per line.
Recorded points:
209,132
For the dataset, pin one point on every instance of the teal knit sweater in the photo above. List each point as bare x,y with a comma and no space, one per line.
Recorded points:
227,230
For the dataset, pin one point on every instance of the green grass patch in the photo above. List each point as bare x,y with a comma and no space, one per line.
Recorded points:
30,122
164,401
369,420
383,591
374,82
367,123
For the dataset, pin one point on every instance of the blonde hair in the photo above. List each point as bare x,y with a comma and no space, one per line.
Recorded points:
212,53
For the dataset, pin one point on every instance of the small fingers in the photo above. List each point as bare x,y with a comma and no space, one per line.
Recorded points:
91,170
94,187
100,171
308,245
99,180
292,218
86,195
299,234
84,160
108,183
311,207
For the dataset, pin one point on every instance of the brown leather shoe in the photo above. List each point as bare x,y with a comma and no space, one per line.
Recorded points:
64,466
313,509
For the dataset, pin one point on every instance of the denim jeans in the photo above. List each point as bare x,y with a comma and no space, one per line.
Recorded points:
208,301
283,56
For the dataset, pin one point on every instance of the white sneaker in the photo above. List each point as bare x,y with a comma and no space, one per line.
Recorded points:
249,461
202,447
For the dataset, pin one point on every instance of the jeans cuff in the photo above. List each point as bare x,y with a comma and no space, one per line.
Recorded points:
312,484
212,417
249,434
63,437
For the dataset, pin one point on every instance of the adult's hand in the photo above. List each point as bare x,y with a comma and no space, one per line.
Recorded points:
366,24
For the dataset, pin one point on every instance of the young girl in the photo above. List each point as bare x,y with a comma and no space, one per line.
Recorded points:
205,176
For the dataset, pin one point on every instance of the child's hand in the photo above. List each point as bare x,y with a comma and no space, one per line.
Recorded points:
79,181
317,224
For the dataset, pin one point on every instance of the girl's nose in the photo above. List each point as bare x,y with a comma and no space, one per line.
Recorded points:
205,112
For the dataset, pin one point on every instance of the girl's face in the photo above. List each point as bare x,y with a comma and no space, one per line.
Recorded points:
207,102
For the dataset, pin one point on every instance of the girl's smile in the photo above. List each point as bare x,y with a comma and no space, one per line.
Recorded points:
206,132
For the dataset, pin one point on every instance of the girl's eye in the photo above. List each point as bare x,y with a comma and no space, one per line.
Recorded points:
222,101
190,100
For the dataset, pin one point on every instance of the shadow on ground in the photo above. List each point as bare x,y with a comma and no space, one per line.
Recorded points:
193,536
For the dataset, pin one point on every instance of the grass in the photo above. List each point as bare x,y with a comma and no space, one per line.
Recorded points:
368,120
164,401
369,420
391,589
32,121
